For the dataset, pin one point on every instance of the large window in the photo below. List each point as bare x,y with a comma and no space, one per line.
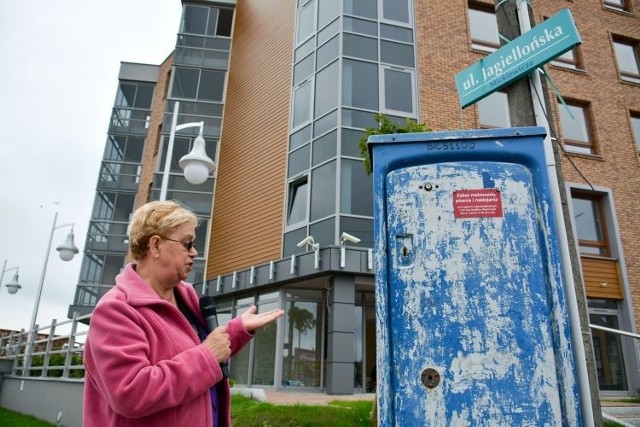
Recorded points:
360,84
627,56
134,96
306,22
200,84
397,91
326,90
493,111
576,127
590,226
397,11
264,343
356,193
124,148
607,346
363,8
483,27
202,20
302,339
323,197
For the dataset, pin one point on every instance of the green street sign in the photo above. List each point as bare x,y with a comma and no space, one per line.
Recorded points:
541,44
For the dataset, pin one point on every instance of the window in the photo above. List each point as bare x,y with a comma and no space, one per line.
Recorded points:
626,51
569,59
622,5
396,10
360,47
397,54
588,213
306,22
356,193
207,21
360,84
483,27
297,209
576,128
323,195
493,111
397,91
302,104
635,127
328,10
299,160
193,83
363,8
326,96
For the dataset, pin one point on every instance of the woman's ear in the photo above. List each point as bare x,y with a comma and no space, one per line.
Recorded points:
154,246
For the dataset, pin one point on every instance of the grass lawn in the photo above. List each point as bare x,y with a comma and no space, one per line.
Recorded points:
14,419
247,413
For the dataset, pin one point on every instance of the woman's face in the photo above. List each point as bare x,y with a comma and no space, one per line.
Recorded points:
176,258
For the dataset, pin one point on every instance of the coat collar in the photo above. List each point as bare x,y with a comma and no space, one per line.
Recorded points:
138,292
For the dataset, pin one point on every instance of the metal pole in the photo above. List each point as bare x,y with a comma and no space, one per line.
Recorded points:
32,333
34,315
169,153
584,388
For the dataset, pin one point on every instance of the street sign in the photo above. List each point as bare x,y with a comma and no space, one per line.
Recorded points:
541,44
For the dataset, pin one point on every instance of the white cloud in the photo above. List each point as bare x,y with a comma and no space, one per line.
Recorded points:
58,79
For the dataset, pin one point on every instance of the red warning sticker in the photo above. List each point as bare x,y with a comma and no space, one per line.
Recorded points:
483,203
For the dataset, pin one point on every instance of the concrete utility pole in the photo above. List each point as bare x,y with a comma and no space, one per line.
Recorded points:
522,113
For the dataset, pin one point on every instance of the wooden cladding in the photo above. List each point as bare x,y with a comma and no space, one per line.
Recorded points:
250,182
601,278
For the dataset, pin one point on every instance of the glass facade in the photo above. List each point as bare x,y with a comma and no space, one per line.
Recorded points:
341,79
106,243
301,360
197,81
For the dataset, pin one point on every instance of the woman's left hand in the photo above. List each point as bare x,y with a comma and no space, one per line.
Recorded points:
252,321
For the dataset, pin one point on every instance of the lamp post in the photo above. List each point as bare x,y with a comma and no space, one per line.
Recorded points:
67,250
197,165
13,286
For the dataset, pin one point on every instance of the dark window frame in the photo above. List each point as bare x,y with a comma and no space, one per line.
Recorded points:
602,245
590,144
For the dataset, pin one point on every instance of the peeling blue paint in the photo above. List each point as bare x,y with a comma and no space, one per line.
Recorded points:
478,300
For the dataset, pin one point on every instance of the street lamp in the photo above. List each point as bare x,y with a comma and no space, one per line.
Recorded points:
13,286
66,252
196,165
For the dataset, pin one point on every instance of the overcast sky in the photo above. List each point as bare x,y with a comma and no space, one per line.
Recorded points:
59,64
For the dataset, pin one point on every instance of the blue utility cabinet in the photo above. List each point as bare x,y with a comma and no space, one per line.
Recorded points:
472,322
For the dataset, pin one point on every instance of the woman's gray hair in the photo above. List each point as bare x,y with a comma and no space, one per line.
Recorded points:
157,218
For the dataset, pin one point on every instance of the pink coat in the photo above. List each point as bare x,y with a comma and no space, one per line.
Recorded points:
145,365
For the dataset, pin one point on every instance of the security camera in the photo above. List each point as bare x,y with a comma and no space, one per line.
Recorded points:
346,237
307,241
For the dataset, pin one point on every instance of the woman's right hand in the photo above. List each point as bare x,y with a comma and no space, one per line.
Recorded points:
219,344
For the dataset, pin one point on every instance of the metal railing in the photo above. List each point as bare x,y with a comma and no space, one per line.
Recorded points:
46,353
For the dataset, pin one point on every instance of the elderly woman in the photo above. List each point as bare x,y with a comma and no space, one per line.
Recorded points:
149,359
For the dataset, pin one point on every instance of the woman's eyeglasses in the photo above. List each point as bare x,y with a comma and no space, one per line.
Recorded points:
187,245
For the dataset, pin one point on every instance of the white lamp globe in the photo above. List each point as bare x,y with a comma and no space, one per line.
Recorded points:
13,288
68,249
196,172
197,165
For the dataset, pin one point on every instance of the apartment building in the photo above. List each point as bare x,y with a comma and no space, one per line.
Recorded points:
285,91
